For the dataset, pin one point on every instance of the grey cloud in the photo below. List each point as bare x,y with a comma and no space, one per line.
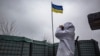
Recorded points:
33,17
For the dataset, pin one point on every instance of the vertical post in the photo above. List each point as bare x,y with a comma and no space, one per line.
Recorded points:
22,48
30,49
96,47
45,48
52,29
77,44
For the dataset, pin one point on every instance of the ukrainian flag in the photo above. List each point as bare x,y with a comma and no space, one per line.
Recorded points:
57,8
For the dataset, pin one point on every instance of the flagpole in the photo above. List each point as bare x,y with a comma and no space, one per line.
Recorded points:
52,30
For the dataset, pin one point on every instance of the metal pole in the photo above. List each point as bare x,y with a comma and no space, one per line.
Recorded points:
52,29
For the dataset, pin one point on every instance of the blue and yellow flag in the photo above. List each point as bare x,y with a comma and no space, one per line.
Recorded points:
57,8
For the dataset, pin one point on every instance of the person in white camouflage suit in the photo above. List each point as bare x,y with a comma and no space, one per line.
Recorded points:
66,36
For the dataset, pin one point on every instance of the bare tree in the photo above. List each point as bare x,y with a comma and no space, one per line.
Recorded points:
6,27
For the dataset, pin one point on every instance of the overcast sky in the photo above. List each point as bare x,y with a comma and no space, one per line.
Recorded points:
33,17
